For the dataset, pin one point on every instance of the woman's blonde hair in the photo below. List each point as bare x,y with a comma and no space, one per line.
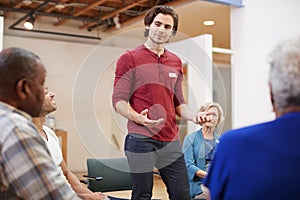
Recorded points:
204,107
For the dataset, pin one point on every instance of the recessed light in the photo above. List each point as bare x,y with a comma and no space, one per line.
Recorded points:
27,2
60,6
208,22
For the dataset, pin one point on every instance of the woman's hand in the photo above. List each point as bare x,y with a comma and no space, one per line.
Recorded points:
201,173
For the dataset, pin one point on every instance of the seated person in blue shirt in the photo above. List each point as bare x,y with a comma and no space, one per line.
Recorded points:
199,146
262,161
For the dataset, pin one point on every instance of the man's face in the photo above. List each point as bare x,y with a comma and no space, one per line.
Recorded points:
161,29
49,103
35,93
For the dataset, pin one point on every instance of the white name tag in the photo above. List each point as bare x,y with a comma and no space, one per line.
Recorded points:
172,75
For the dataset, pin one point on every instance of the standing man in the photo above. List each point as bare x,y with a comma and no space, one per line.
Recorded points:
26,168
263,161
148,92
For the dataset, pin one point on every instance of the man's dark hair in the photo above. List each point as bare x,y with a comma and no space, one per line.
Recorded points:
166,10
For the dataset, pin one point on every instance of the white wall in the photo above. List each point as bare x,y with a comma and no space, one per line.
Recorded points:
255,30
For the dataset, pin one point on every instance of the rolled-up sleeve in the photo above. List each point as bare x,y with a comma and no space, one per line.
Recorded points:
124,75
178,94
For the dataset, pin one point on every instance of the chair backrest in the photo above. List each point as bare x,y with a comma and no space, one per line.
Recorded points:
115,173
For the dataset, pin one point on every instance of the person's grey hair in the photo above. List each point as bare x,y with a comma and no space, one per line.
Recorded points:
284,75
16,63
204,107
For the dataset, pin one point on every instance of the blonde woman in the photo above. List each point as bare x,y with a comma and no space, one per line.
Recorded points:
199,147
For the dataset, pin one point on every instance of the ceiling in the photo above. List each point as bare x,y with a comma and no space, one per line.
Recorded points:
91,14
99,19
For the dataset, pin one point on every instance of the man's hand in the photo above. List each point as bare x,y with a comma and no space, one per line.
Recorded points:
142,118
93,196
203,117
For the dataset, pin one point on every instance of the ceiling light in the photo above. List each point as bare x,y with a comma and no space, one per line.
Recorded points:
60,6
208,22
29,23
27,2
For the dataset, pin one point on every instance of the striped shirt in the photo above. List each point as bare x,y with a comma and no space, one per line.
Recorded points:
26,168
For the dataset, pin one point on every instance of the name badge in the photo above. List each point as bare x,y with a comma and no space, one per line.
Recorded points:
172,75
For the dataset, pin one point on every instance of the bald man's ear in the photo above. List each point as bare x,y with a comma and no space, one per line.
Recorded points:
22,88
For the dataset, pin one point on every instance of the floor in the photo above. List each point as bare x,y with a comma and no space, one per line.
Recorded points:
159,189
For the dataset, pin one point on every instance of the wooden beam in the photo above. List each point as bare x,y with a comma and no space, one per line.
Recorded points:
121,10
110,15
53,7
50,9
19,5
141,17
89,7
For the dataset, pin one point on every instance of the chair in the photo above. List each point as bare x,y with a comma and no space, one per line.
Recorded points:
105,175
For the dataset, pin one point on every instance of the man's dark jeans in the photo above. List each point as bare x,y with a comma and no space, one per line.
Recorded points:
144,154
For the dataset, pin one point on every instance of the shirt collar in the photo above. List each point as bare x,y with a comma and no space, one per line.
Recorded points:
4,107
165,54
